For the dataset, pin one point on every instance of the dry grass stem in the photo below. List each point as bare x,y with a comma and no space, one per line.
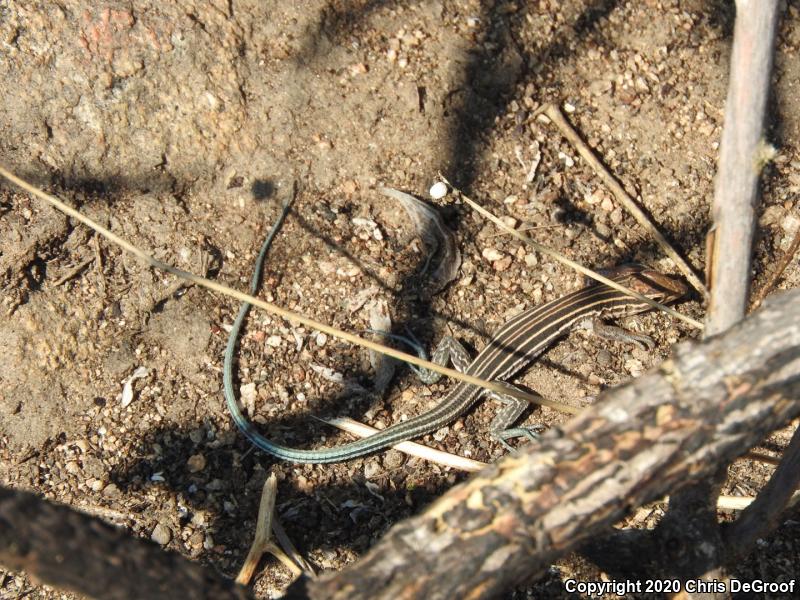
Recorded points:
411,448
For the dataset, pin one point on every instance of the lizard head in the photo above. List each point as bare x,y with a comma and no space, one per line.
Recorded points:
653,284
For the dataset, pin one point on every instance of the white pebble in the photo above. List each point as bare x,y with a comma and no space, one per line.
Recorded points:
790,224
247,396
634,367
438,190
509,221
492,254
274,341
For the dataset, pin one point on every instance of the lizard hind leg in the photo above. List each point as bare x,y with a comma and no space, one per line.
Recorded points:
510,410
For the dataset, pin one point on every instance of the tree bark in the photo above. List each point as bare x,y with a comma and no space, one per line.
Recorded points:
73,551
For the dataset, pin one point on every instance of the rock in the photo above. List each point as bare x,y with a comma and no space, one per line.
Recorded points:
161,535
196,463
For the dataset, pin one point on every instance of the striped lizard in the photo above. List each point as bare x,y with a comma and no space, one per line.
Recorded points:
516,344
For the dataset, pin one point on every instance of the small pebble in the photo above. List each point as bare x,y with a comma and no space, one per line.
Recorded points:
371,469
111,491
634,367
467,280
247,395
438,190
790,224
393,459
274,341
509,221
349,187
196,463
604,358
502,264
602,230
492,254
161,535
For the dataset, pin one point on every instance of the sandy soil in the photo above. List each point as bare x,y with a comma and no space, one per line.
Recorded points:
182,127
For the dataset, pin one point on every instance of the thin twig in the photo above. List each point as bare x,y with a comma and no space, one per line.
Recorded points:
411,448
289,548
523,229
74,271
761,457
742,502
277,310
776,274
555,115
571,263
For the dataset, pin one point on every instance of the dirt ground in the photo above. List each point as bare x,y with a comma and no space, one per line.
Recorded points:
181,126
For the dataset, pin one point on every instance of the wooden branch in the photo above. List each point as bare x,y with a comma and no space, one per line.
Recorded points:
758,519
72,551
692,517
706,406
742,155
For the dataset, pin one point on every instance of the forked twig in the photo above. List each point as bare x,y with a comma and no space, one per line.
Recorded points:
262,542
